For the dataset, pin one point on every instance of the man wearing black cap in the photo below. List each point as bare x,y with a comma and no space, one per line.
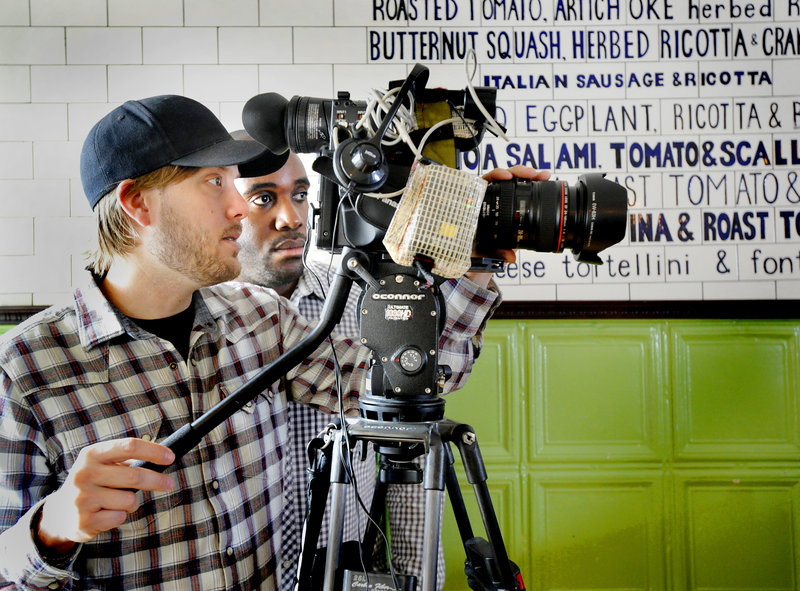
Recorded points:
150,342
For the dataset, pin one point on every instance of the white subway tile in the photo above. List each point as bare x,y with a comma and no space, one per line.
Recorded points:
667,291
145,13
788,290
230,113
95,45
66,84
280,12
16,236
31,198
221,83
302,80
213,13
16,160
15,12
42,45
171,45
135,82
35,273
325,45
588,292
13,299
745,290
74,12
15,84
64,234
350,14
255,45
29,121
48,298
56,160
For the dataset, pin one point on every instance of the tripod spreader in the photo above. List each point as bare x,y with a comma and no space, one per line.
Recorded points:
487,564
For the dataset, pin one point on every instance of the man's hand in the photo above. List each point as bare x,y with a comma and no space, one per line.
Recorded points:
506,174
99,490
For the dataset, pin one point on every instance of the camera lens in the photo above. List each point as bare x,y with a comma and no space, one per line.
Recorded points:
307,124
549,216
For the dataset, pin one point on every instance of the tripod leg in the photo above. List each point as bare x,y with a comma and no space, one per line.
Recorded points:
433,483
338,492
318,486
507,576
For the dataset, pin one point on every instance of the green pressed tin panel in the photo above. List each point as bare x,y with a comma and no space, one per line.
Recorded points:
596,391
640,454
737,529
736,390
598,529
492,401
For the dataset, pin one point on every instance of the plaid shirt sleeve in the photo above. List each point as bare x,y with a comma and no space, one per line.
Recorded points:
469,307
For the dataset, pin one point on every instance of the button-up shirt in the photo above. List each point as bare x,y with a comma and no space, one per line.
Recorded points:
404,502
75,375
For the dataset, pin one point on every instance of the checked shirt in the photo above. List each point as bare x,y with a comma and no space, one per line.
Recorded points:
405,503
82,373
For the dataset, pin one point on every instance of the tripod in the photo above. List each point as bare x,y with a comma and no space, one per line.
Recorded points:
403,424
487,564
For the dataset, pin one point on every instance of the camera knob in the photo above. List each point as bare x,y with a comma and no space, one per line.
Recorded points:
365,157
361,163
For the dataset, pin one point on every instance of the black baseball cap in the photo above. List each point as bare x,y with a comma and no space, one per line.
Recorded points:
262,165
142,136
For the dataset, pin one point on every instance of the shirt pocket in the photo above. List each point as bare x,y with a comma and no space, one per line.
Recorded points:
144,423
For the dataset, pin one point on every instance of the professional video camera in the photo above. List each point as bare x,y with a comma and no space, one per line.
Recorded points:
404,217
357,157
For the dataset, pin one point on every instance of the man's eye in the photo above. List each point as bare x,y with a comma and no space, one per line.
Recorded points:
300,196
216,181
260,200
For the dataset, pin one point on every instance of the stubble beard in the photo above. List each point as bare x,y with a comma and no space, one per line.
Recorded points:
193,254
263,268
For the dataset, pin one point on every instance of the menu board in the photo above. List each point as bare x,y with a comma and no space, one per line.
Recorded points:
692,106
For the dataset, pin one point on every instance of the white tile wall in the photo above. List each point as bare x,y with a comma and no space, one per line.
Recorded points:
15,12
27,121
213,13
66,63
15,84
39,45
16,236
60,84
255,45
171,45
96,45
34,198
145,13
280,12
73,13
16,160
133,82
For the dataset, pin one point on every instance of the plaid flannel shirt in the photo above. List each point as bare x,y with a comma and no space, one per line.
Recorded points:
405,503
75,375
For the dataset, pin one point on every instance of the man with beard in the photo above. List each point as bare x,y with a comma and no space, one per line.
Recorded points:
151,341
273,240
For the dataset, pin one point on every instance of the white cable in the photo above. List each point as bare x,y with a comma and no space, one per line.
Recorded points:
491,124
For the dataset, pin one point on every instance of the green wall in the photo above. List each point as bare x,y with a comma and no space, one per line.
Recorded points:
639,454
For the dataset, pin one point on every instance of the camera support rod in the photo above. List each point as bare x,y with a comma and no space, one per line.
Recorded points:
188,436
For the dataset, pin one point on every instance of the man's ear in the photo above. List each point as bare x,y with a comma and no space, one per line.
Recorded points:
134,203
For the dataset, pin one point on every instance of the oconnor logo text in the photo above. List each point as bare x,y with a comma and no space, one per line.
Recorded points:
398,296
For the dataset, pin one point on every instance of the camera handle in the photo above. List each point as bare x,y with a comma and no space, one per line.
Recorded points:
487,565
359,164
